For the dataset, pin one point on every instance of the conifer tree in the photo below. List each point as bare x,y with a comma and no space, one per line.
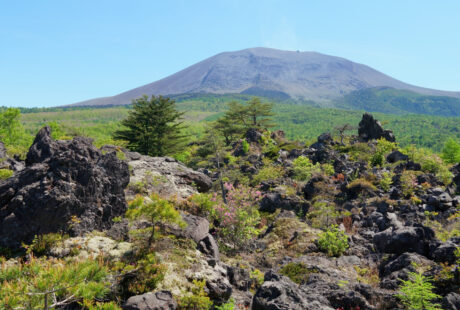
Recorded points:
153,127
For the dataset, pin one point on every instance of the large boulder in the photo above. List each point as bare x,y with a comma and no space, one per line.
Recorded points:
162,300
370,128
280,293
405,239
166,176
67,186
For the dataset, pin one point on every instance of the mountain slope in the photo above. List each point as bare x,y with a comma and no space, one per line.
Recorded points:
396,101
284,74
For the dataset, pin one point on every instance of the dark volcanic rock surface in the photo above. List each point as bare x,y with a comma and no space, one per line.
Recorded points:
370,128
67,186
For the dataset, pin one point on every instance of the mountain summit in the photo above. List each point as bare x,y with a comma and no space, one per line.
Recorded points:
270,72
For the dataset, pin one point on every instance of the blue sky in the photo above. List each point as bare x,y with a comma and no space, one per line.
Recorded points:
60,52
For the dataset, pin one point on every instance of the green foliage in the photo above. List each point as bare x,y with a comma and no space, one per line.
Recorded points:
333,241
12,132
430,162
267,172
408,182
197,300
397,101
42,244
230,305
322,214
297,272
5,174
145,273
386,180
257,276
156,210
152,127
245,146
451,151
383,147
238,218
24,286
304,168
57,131
417,293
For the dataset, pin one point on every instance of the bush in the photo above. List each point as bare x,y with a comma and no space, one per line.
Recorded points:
158,210
197,300
24,285
245,146
42,244
5,174
383,147
333,241
238,219
297,272
268,172
322,214
417,293
304,168
386,180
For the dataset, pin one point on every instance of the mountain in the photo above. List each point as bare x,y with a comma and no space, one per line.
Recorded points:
270,73
398,101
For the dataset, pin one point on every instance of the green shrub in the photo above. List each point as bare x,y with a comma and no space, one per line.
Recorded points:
304,168
417,293
386,180
268,172
451,151
333,241
297,272
322,214
238,218
5,174
42,244
197,300
158,210
24,285
245,146
230,305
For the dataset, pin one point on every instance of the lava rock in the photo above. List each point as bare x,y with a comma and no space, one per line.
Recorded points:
274,200
280,293
396,156
451,302
209,247
219,290
370,128
67,186
197,227
445,253
254,135
162,300
406,239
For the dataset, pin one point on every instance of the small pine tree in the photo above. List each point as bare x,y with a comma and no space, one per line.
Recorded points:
417,293
152,127
157,210
259,113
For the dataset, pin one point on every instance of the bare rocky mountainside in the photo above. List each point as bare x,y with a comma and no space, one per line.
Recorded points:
270,73
346,225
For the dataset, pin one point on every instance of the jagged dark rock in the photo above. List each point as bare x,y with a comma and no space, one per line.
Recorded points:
162,300
396,156
405,239
275,200
67,186
254,135
370,128
451,302
280,293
